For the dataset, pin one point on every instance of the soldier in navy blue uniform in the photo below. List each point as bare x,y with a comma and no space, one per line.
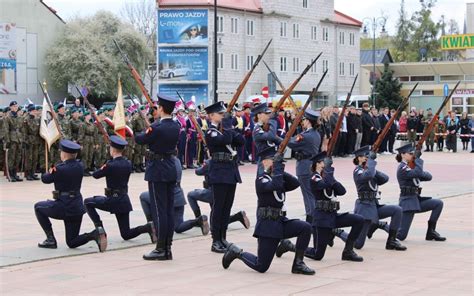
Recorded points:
223,171
409,180
367,180
180,225
325,189
261,137
116,200
67,204
162,138
272,225
205,195
306,146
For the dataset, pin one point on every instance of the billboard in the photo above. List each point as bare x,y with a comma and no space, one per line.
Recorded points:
183,63
187,91
183,26
457,42
7,58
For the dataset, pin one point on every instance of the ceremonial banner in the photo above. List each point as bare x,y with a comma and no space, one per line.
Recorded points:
49,131
119,113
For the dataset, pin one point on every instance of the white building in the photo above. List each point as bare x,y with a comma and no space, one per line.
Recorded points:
300,31
35,28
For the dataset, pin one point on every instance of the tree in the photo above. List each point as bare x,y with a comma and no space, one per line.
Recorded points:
86,55
425,33
387,90
402,38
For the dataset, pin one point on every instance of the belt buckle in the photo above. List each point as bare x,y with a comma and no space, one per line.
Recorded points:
115,194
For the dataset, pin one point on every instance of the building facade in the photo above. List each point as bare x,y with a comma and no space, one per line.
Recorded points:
300,30
32,28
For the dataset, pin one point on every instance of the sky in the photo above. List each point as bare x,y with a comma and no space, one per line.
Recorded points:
452,9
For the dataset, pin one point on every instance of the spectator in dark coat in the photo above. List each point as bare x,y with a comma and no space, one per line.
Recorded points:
383,120
367,125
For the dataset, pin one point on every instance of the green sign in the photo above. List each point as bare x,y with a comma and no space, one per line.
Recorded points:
456,42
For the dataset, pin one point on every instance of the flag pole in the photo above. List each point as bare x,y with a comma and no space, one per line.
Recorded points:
46,152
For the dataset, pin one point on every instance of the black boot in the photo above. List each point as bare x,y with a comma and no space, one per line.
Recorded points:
197,213
393,243
233,252
374,227
203,224
152,232
431,233
49,242
217,246
348,254
284,246
309,219
99,236
12,176
223,239
169,255
159,253
15,175
299,267
33,175
29,177
242,218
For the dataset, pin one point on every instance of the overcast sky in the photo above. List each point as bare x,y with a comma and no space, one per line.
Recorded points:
452,9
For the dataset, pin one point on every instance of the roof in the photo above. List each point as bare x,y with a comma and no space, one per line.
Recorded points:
344,19
428,68
245,5
382,56
52,10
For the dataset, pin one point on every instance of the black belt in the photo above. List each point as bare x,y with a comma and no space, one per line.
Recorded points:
114,192
301,156
157,156
409,190
327,205
367,195
270,213
222,157
71,194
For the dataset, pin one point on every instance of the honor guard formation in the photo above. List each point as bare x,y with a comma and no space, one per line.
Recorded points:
169,135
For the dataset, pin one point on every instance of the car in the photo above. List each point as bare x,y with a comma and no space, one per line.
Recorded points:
178,70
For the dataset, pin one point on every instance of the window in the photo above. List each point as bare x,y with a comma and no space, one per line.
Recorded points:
451,77
427,92
313,68
296,31
351,69
325,65
341,68
325,34
234,25
421,78
249,28
282,29
305,3
283,64
341,37
220,24
220,60
314,33
234,59
250,61
296,65
351,39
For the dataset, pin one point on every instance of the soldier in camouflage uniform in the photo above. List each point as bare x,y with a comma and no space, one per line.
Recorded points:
75,124
41,147
13,140
88,137
31,128
431,137
138,126
3,110
65,130
100,153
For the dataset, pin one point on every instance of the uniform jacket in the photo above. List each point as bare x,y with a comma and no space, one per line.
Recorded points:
12,127
264,139
307,144
408,177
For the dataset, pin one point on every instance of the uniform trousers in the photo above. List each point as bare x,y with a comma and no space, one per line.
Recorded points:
162,205
433,205
223,199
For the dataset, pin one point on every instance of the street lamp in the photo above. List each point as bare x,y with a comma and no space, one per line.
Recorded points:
374,23
215,53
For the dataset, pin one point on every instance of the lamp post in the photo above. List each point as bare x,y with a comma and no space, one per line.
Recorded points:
374,23
215,52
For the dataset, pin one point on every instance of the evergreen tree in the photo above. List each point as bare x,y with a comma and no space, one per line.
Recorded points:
425,33
387,90
402,38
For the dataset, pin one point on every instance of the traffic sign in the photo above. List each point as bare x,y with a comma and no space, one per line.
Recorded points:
265,92
446,90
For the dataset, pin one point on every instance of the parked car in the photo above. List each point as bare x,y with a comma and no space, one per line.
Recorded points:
178,70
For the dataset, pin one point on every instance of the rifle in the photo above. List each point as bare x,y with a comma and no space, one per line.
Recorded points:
283,89
239,90
288,92
430,126
387,127
194,121
135,75
94,115
335,135
299,116
53,114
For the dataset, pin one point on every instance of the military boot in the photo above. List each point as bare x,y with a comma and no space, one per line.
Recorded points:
12,178
159,253
49,242
393,243
284,246
224,240
169,255
203,224
348,254
217,245
242,218
99,236
29,176
373,227
15,175
432,234
299,267
33,175
233,252
152,232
